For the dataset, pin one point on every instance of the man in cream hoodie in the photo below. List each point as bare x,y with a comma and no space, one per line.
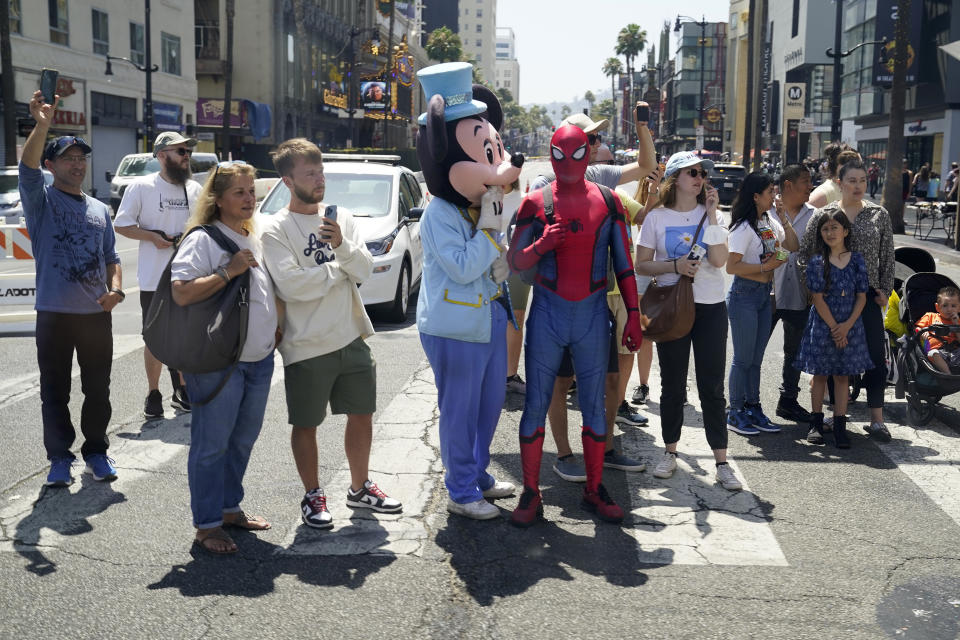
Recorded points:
316,264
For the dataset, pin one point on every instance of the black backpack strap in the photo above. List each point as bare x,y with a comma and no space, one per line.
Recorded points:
608,199
547,192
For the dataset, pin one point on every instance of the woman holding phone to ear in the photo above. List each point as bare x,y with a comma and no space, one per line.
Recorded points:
688,216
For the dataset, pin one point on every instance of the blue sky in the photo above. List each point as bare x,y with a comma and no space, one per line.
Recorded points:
562,44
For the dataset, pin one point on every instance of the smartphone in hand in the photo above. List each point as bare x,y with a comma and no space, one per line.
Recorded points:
331,213
696,252
48,84
643,113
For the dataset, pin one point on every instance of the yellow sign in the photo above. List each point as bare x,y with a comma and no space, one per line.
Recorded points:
334,100
714,115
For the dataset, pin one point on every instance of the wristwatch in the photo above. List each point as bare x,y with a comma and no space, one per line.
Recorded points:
120,293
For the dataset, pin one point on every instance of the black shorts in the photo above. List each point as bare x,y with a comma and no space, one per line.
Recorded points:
613,362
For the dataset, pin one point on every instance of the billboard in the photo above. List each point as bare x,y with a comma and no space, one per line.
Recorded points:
373,95
887,11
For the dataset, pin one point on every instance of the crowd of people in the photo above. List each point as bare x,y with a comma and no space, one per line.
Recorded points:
819,261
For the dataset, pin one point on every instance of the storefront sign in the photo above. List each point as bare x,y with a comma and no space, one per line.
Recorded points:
71,114
887,12
210,113
167,117
334,99
765,66
794,100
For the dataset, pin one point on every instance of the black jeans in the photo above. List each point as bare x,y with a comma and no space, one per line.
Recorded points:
875,380
58,335
709,339
794,322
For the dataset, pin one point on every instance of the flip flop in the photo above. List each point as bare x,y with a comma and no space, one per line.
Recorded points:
218,534
247,522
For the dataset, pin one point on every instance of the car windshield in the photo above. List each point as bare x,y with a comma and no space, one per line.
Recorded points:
202,164
364,195
9,183
138,166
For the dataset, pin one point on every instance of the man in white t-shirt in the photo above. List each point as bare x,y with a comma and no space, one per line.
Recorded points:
154,210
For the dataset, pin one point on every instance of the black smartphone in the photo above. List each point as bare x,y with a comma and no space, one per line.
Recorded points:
48,84
643,113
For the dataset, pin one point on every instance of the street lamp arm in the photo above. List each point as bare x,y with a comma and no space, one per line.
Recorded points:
844,54
142,68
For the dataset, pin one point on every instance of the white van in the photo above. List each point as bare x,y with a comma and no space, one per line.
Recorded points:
135,165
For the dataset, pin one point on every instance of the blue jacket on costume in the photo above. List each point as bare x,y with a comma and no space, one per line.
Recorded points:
456,289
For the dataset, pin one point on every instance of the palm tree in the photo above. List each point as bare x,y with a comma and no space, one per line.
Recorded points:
612,67
443,45
892,196
228,81
590,99
630,42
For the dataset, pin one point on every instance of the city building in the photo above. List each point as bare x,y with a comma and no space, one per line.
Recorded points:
506,67
687,106
106,110
478,31
735,87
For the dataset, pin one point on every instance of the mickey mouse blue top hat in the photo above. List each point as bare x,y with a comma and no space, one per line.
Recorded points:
454,82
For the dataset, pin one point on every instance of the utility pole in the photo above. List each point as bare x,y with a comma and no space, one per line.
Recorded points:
892,197
148,99
758,85
835,125
9,101
388,109
228,82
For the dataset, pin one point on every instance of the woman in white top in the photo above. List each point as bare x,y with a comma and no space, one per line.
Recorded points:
758,244
663,251
223,431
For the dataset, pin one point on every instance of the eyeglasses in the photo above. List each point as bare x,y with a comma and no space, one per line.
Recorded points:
75,159
696,172
181,151
593,138
67,141
226,163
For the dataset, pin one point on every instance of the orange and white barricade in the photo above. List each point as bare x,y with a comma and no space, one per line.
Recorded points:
15,242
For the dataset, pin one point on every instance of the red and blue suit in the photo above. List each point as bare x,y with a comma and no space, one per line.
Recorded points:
569,251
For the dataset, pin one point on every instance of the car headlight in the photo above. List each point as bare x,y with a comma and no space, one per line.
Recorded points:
381,246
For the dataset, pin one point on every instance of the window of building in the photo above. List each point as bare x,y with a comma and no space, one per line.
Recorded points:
507,73
104,105
479,57
101,34
138,51
479,28
15,26
59,24
466,12
479,13
479,42
170,52
795,24
506,84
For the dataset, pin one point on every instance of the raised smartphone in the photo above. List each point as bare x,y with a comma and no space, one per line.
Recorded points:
643,113
48,84
331,213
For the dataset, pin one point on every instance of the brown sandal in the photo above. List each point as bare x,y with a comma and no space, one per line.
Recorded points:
250,523
216,534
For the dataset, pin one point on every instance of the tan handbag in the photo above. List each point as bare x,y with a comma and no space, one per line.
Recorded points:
669,311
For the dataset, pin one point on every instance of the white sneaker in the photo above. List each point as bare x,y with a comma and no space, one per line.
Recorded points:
500,489
727,478
479,510
666,466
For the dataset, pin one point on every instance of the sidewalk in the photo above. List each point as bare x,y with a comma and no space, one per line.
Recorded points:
937,243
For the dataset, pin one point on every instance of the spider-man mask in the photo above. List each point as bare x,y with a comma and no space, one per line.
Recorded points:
569,154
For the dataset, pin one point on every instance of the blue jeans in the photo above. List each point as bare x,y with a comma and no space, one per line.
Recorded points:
748,306
222,434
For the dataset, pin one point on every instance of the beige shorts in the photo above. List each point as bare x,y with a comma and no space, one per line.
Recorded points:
619,311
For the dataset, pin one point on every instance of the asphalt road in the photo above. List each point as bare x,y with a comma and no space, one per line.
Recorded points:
820,544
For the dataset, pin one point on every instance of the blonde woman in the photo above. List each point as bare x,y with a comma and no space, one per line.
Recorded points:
665,250
223,431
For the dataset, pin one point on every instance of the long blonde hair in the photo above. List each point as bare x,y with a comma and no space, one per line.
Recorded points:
219,181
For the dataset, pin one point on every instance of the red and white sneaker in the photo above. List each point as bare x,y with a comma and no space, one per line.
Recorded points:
371,497
314,512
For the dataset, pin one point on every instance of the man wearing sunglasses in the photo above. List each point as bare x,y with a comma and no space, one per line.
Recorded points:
154,210
78,284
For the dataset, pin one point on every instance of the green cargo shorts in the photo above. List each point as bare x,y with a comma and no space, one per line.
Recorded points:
346,378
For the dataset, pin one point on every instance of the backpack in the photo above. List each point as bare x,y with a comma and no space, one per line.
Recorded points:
529,275
205,336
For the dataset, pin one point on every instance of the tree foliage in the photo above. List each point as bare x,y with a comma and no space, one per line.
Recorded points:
603,109
590,98
444,45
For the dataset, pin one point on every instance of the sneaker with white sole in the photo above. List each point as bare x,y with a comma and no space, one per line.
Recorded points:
626,415
314,511
101,467
569,469
666,466
500,489
60,475
180,400
369,496
640,394
613,459
479,510
727,478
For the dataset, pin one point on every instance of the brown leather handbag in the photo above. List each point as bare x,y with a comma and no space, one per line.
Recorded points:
669,311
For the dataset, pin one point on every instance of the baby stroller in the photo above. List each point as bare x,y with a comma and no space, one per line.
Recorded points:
921,383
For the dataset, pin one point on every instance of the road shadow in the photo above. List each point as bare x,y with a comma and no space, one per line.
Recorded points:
254,569
64,512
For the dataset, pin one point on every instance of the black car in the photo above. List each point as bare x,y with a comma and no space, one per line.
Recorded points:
727,178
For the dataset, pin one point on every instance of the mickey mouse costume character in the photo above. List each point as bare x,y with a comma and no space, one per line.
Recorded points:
566,231
462,311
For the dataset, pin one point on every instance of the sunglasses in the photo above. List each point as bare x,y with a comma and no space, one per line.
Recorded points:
696,172
593,138
226,163
181,151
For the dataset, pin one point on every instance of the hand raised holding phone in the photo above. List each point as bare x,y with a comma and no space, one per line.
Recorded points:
330,229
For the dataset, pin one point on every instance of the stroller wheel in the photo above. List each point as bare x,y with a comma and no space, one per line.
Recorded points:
920,412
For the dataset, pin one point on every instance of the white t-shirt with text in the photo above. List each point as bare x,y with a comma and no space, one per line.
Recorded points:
748,243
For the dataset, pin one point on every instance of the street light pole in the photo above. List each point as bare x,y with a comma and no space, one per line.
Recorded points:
148,69
837,71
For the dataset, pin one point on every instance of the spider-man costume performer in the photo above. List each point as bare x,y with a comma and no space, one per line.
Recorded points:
569,309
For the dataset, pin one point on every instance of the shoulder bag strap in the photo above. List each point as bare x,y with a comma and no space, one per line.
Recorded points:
547,192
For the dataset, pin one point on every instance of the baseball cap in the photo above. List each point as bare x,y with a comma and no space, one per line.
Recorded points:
684,159
584,122
57,146
170,138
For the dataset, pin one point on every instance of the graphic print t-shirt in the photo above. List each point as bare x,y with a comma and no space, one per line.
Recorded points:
151,202
670,234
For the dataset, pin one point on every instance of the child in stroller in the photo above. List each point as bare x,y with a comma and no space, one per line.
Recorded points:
943,347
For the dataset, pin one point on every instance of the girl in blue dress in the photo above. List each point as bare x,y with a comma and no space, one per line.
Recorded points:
834,343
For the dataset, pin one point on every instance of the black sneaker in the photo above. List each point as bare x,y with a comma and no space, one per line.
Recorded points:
573,388
153,405
792,411
877,431
640,394
179,400
313,510
626,415
371,497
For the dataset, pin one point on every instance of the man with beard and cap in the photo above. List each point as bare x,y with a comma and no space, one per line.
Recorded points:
154,210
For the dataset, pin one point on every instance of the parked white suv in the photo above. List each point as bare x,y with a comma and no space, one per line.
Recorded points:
135,165
10,207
